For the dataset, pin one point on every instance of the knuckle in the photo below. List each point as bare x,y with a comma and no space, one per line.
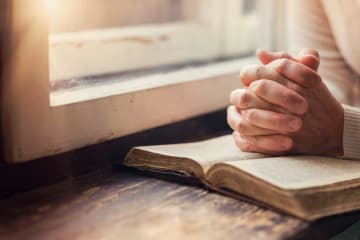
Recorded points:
284,54
279,122
259,72
242,76
296,104
232,96
245,146
288,145
244,99
252,114
245,74
241,126
260,87
249,114
290,99
285,143
282,65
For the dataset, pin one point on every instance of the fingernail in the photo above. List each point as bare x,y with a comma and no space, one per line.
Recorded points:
286,144
294,124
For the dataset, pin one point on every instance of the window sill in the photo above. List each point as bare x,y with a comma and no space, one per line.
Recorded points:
115,85
86,116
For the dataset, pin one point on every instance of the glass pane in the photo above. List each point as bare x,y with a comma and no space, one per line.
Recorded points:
92,40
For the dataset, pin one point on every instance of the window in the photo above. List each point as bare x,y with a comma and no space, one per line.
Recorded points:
114,74
91,38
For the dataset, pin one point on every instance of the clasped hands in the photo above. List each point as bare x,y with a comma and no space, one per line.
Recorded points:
285,108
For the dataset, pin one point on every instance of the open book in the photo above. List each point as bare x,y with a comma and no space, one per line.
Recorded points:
308,187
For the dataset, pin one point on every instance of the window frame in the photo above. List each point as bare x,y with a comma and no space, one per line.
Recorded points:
31,128
211,33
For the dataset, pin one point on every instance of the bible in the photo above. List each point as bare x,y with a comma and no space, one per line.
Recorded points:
308,187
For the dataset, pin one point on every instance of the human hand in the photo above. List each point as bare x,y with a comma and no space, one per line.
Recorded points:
286,108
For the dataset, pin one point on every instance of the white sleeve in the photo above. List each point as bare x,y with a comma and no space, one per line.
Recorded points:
351,135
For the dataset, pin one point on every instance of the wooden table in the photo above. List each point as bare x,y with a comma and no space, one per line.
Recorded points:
125,204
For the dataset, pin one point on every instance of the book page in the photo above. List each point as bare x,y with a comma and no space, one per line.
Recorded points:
300,172
206,153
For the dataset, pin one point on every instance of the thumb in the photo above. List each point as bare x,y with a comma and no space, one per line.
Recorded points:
307,57
310,58
267,57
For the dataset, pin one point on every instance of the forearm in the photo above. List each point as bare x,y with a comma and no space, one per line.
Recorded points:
351,134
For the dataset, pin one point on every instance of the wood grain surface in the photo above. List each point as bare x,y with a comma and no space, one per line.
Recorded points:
123,204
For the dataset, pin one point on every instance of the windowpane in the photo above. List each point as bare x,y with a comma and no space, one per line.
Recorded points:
94,39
